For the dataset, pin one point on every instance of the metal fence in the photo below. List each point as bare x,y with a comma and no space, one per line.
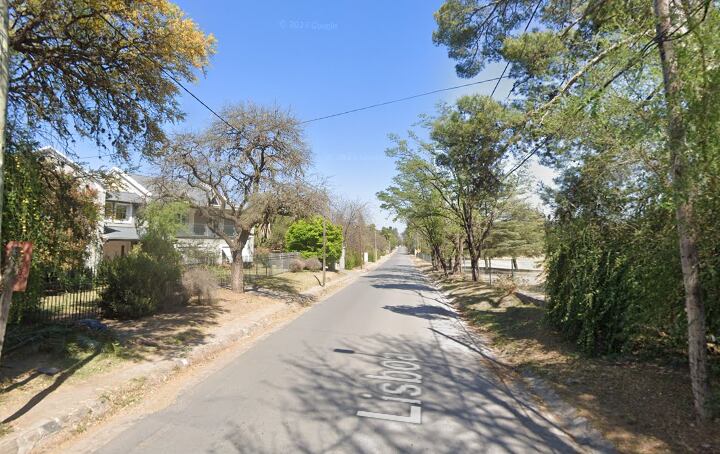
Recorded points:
58,297
262,265
66,297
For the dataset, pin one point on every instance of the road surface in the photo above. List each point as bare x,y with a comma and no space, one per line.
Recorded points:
381,366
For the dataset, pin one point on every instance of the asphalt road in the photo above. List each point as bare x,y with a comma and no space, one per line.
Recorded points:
381,366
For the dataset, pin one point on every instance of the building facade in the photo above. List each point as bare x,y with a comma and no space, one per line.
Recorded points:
123,198
195,238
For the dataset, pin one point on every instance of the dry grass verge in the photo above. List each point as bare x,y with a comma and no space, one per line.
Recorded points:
641,406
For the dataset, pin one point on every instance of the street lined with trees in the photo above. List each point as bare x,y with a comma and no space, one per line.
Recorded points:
620,99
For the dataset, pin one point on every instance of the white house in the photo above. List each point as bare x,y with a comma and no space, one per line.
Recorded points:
117,232
130,193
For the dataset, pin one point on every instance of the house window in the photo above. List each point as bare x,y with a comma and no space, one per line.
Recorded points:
117,211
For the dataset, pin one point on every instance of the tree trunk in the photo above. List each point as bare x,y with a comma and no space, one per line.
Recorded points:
441,260
687,232
237,271
458,257
474,266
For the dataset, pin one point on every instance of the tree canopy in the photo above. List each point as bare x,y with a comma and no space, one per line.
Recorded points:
306,236
239,175
623,99
101,69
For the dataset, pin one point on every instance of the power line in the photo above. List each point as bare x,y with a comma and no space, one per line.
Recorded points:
507,65
359,109
407,98
523,160
372,106
169,75
219,117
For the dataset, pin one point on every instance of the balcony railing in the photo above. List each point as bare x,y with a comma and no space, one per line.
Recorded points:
201,230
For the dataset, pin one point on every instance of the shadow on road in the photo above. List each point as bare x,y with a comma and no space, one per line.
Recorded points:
426,312
466,408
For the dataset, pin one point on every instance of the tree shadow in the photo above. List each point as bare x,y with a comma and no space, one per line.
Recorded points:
606,387
59,380
427,312
473,411
170,334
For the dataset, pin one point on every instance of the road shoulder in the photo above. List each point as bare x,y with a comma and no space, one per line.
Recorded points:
525,386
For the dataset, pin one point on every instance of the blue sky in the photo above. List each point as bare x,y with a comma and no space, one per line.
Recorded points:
322,57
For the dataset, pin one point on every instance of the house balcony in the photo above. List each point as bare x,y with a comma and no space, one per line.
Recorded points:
201,230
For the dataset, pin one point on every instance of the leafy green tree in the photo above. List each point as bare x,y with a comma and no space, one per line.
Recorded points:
101,69
55,209
614,61
412,199
391,235
472,144
306,236
158,223
520,232
462,165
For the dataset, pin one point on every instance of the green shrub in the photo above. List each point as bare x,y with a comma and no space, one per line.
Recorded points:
353,259
305,236
139,284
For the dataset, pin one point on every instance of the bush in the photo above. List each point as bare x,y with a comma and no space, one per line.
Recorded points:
507,284
353,259
138,285
313,264
296,265
200,283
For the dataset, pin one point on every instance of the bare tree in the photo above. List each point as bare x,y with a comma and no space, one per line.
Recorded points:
240,174
352,216
347,213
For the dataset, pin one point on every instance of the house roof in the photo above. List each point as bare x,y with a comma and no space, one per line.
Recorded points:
128,233
128,197
150,182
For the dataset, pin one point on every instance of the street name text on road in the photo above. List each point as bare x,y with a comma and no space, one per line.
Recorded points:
401,381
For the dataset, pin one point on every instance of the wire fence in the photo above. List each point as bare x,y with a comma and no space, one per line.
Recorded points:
528,280
262,265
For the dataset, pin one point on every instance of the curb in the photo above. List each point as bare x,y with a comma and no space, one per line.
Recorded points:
24,442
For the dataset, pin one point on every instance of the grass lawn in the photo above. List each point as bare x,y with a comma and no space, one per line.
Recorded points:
641,405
